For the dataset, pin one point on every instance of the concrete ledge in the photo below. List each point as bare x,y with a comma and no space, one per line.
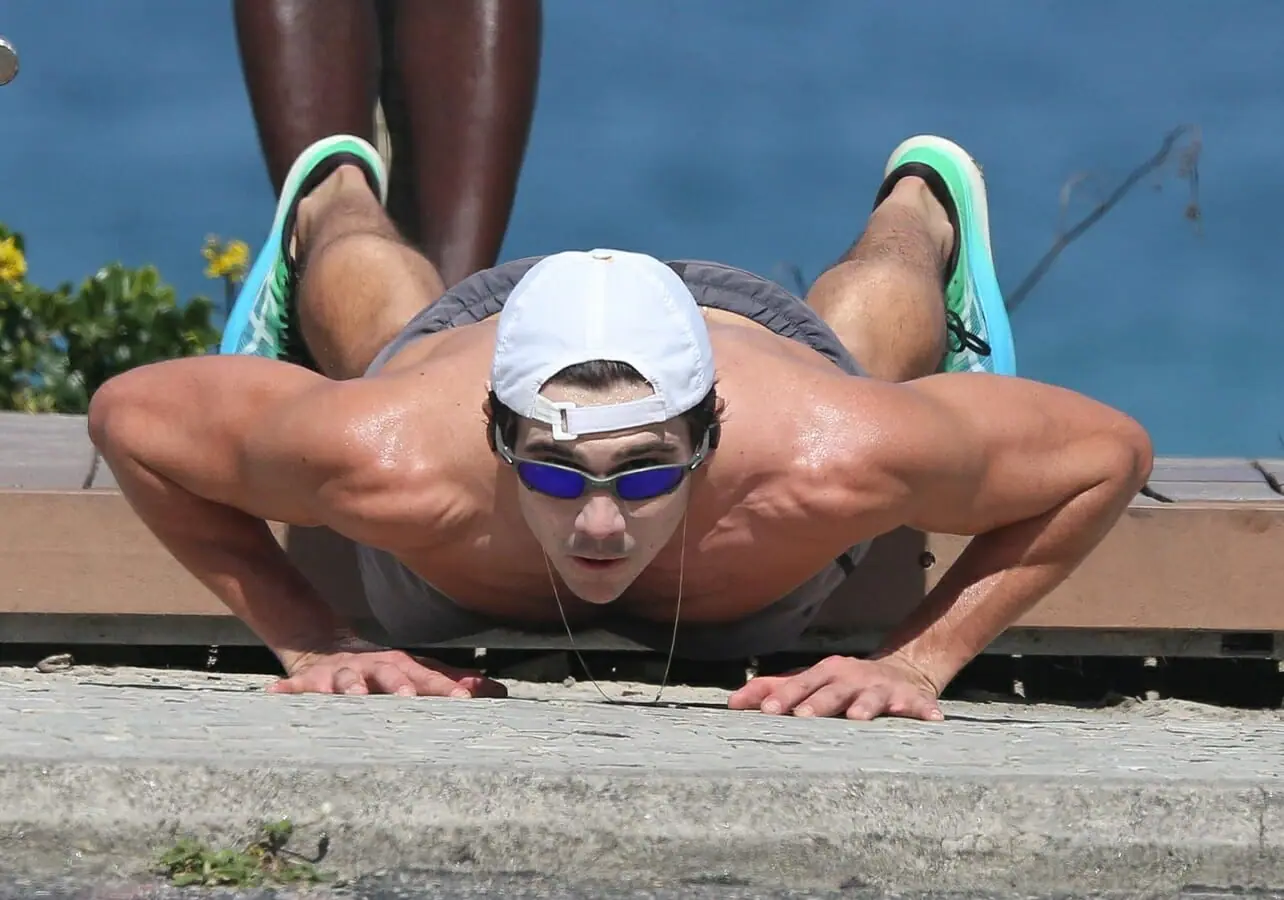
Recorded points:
789,829
98,778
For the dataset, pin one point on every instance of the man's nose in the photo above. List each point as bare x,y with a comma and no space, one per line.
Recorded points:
600,519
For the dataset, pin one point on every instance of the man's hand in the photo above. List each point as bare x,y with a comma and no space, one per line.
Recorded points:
382,672
842,686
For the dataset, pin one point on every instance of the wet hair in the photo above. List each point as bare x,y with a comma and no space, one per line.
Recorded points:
600,375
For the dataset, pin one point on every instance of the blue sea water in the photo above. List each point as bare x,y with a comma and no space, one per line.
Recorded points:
754,132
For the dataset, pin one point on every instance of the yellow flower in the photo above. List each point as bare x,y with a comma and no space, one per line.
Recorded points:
13,265
230,260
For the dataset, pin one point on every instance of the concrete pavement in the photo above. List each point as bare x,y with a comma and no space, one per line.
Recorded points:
100,769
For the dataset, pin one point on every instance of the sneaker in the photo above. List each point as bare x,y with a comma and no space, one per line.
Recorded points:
262,320
979,333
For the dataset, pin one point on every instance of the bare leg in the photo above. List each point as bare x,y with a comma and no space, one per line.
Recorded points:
360,282
468,71
885,298
310,68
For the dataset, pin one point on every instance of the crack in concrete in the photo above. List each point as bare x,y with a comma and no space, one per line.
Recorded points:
1261,819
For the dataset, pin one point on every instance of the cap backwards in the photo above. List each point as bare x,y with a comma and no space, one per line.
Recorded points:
578,307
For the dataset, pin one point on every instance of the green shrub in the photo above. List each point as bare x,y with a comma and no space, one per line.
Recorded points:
58,346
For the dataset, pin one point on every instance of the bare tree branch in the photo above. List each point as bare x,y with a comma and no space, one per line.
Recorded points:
1187,168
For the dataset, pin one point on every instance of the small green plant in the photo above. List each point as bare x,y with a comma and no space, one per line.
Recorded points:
264,860
57,347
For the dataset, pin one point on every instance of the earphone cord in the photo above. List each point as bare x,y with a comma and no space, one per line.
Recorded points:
673,643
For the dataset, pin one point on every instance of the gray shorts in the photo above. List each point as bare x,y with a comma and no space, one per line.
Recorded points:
413,612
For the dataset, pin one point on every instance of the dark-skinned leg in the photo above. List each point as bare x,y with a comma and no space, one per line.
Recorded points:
311,70
468,72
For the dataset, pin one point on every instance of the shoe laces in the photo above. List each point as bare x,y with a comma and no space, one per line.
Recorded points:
960,339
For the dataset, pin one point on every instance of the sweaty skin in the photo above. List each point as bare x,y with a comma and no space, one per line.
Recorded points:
208,448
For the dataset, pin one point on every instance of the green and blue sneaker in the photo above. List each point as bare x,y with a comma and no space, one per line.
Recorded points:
263,320
979,335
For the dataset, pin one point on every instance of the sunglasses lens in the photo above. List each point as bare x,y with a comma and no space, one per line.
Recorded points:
650,483
550,480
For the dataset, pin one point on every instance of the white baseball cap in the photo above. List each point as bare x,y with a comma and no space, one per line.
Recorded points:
577,307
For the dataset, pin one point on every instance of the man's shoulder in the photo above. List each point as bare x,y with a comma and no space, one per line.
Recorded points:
409,452
825,444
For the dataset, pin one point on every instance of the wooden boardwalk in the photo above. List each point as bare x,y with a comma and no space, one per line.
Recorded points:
1194,568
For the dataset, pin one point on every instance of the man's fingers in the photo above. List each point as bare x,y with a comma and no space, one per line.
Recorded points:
388,679
869,703
387,673
754,692
831,700
429,683
792,691
436,680
350,681
914,705
481,686
308,682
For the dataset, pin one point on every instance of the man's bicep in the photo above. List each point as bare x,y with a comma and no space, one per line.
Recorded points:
978,452
301,463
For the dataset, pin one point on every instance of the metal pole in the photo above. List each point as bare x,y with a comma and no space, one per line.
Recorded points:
8,61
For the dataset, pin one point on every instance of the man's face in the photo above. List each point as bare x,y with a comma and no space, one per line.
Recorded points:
598,542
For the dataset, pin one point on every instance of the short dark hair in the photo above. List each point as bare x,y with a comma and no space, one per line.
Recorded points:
599,375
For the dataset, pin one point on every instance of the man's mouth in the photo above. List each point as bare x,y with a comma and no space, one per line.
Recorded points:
598,563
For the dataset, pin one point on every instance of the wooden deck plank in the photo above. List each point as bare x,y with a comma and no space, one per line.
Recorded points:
1211,566
1176,566
44,452
86,552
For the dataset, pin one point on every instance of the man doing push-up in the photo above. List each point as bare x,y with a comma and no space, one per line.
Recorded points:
682,453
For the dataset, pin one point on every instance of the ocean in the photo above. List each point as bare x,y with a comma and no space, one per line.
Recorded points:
755,133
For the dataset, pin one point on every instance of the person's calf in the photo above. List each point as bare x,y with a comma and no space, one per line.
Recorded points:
885,299
342,204
878,311
359,282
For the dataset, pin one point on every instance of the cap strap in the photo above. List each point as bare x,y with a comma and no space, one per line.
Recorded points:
569,421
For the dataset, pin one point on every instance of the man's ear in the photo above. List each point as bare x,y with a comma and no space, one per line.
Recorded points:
488,416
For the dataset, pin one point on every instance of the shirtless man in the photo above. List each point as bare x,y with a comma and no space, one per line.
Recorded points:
570,460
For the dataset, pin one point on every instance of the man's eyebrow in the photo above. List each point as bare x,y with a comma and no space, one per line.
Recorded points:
549,448
637,451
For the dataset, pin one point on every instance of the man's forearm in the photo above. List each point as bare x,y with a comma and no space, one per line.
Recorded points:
233,554
999,577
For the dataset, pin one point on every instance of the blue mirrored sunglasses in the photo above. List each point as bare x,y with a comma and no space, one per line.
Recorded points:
568,483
